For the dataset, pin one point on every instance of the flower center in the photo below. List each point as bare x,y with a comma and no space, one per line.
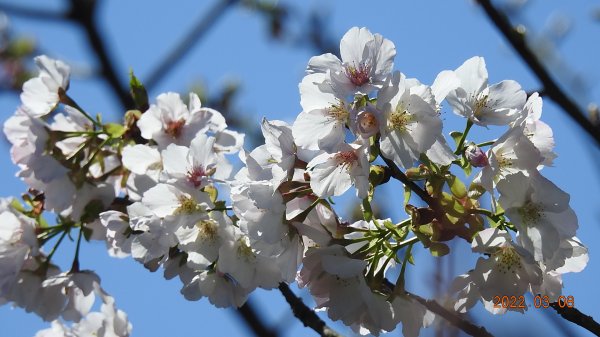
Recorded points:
208,230
174,128
338,112
507,259
195,175
400,119
187,205
346,158
480,104
503,161
244,251
358,75
531,213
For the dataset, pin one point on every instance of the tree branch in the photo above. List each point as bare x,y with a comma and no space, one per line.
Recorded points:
551,88
83,13
452,318
399,175
308,317
577,317
248,314
185,45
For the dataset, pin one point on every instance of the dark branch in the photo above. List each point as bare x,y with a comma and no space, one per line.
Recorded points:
577,317
83,13
551,88
452,318
248,314
38,14
399,175
185,45
308,317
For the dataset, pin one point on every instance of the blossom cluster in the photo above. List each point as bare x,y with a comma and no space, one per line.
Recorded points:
161,187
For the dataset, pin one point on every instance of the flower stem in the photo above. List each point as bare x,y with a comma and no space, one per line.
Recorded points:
64,233
461,142
75,265
400,281
66,99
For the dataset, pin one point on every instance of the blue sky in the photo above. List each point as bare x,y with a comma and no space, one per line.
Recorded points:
430,36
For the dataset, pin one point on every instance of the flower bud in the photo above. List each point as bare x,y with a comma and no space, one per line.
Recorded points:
476,156
367,123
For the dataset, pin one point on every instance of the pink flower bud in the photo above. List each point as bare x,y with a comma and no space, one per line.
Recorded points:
476,156
367,123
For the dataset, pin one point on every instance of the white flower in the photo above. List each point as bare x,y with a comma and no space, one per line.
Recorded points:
69,121
321,124
118,233
246,266
498,104
222,291
410,124
145,164
538,132
41,94
182,206
412,314
367,60
202,241
511,153
194,167
153,237
108,322
27,135
508,271
170,121
539,210
18,242
78,291
337,284
332,174
279,143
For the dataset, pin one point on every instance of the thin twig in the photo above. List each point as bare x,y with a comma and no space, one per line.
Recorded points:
83,12
577,317
185,45
452,318
550,87
308,317
253,321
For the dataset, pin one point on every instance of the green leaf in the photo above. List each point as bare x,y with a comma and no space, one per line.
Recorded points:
114,130
213,193
87,233
439,249
138,92
407,193
456,135
411,259
17,205
457,187
367,211
476,191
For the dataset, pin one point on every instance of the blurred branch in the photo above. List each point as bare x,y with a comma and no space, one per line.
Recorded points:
308,317
185,45
83,12
577,317
451,317
38,14
253,321
550,87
